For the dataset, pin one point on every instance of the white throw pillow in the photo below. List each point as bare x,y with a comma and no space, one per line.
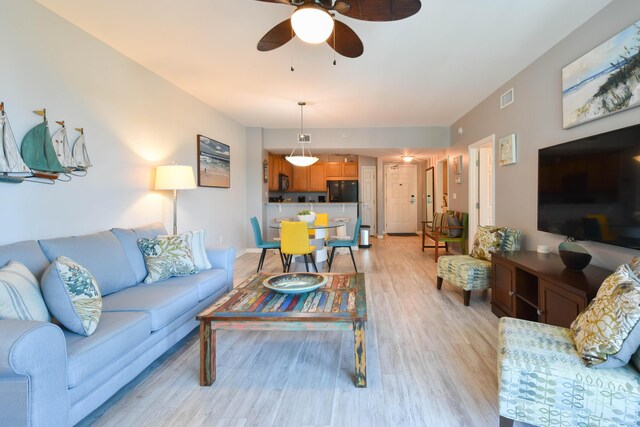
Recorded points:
195,239
20,294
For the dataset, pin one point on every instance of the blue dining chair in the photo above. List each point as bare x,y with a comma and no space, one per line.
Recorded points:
257,233
345,244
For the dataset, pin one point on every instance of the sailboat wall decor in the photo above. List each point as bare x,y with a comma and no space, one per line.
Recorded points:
61,146
38,152
80,154
12,169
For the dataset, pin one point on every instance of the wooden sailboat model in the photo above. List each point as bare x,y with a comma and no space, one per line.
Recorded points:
39,153
80,154
61,147
12,168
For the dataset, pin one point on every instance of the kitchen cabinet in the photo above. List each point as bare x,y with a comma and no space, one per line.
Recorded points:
341,170
274,171
299,179
537,287
317,180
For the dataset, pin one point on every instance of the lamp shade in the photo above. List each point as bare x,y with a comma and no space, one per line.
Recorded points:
312,24
174,177
301,160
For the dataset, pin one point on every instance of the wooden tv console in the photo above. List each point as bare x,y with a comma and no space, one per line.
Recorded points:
538,287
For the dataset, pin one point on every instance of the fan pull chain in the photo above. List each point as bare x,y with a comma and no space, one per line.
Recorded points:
292,49
334,40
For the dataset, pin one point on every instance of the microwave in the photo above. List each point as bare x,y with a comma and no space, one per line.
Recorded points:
284,182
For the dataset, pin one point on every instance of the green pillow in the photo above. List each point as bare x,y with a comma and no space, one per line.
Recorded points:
487,240
167,256
607,332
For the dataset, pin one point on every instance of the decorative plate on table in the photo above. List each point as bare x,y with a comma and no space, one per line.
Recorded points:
295,283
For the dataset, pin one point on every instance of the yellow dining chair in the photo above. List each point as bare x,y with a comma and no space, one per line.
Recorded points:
295,242
321,219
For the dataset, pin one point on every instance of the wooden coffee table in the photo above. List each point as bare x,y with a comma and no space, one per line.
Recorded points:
340,304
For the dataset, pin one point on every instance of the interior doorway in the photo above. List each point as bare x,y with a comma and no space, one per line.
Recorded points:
401,209
441,202
482,184
429,190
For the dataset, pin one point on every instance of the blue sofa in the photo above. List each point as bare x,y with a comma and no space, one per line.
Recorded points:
50,376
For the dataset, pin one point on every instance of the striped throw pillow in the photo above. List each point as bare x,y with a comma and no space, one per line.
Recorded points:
20,294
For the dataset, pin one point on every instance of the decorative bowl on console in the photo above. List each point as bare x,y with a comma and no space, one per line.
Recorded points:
574,256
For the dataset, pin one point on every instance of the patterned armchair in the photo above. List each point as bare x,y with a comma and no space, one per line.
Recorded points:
544,382
470,273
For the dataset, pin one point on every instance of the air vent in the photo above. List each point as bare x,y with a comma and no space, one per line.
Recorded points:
507,99
304,137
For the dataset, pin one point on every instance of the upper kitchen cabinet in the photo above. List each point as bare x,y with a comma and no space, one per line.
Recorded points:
317,177
274,162
341,170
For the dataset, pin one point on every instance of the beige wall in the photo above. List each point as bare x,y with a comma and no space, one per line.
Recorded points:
134,120
536,118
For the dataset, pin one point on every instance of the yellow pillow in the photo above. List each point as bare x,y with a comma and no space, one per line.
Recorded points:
607,332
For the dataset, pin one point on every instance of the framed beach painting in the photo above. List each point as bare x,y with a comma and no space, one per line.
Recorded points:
214,163
604,81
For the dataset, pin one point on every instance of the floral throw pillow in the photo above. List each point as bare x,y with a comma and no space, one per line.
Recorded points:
607,332
72,295
167,256
635,265
487,240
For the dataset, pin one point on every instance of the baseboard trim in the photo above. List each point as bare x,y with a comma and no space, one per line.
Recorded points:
240,253
253,250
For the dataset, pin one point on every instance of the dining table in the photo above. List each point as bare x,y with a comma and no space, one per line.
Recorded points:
321,253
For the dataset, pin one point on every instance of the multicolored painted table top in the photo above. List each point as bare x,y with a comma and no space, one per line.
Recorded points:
341,299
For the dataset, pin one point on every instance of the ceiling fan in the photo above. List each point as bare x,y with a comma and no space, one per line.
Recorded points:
314,22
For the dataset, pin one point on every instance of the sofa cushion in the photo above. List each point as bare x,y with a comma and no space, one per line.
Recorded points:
20,294
208,281
128,238
72,295
116,334
163,301
28,253
543,381
101,253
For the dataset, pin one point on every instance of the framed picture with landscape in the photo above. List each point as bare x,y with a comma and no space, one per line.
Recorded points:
214,163
603,81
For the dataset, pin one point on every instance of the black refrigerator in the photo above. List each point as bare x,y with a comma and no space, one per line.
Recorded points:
344,191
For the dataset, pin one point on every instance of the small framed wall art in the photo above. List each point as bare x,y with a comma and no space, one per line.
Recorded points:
457,165
507,150
214,163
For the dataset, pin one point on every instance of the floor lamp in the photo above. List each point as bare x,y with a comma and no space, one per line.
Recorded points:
175,177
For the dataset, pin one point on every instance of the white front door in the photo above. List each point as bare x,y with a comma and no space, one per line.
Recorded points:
368,197
400,198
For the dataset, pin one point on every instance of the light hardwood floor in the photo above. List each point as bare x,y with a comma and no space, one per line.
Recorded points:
430,361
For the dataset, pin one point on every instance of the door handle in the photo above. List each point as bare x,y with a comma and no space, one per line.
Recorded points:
511,293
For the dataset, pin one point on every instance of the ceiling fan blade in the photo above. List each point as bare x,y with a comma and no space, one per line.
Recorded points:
381,10
276,37
347,42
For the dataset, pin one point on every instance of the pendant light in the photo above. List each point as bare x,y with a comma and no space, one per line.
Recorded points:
302,160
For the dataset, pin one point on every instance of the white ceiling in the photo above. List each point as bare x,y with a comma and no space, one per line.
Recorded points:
429,69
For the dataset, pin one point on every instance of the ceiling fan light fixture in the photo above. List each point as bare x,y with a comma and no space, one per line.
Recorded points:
407,158
312,24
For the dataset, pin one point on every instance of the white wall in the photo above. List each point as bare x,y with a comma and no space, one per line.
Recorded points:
536,118
345,139
133,119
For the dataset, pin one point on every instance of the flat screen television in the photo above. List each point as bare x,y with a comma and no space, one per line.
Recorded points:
589,189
